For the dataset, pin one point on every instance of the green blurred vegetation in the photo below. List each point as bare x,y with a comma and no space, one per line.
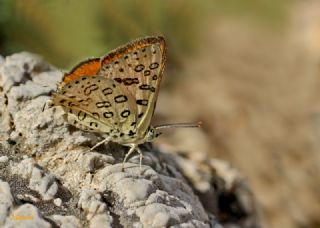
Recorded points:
68,31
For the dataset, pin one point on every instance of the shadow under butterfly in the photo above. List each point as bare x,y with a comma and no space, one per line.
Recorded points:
116,95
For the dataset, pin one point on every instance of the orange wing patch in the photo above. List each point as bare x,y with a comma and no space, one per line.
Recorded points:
137,44
89,67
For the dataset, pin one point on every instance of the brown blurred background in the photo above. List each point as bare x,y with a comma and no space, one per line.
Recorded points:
250,70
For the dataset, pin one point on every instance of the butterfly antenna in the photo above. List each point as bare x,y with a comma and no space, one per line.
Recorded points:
178,125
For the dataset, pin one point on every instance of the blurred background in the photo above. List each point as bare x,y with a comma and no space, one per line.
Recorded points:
249,70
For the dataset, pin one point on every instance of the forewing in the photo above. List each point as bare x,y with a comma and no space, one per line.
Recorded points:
138,66
97,104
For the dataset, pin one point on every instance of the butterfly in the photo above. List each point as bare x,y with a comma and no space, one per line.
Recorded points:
116,95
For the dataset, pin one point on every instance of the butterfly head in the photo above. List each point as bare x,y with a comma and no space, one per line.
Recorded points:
152,134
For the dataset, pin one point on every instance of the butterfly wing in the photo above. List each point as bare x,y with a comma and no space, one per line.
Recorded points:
138,66
97,104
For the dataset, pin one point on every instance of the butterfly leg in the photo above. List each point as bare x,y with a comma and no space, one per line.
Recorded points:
99,143
133,147
141,157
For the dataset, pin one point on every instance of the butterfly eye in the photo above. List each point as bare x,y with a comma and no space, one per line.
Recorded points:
151,131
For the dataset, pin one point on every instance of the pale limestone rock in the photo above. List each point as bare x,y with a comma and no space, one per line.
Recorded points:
23,168
90,201
66,221
57,202
101,221
26,216
6,201
49,160
43,183
4,159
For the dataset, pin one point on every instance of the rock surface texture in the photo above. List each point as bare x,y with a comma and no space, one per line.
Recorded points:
50,178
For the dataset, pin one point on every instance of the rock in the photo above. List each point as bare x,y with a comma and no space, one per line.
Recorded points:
26,215
66,221
57,202
24,167
43,183
93,161
4,159
20,68
50,165
6,201
91,202
101,221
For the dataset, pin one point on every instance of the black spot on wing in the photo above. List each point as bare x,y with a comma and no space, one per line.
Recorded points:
89,89
119,80
147,87
130,81
154,65
125,113
103,104
139,68
142,102
131,133
107,91
107,115
146,72
93,124
120,98
82,115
